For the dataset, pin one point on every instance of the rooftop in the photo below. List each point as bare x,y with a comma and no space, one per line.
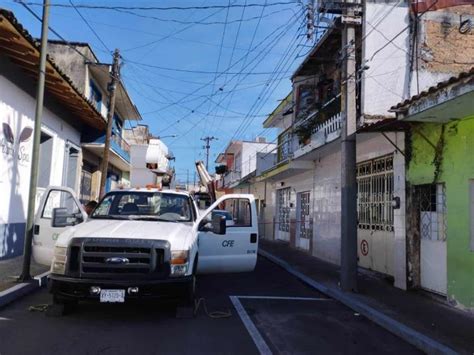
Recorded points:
24,51
443,84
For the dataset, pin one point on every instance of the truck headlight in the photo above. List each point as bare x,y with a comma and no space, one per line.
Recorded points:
58,266
179,262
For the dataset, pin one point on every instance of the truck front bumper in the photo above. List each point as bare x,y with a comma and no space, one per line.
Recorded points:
80,289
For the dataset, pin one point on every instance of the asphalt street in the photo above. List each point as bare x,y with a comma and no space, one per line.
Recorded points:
278,314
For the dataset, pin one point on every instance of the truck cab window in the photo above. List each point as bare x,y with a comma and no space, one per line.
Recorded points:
168,207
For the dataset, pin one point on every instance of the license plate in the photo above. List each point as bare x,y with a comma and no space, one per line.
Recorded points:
112,296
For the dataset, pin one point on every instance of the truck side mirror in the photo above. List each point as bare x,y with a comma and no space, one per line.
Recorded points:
61,218
219,225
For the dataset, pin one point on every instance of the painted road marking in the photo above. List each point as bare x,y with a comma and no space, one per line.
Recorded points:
257,338
284,298
251,328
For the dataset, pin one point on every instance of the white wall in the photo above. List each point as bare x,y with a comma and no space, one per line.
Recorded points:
391,256
386,82
327,207
140,175
17,110
249,155
324,184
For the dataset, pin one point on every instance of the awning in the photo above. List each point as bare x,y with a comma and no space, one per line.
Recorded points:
449,100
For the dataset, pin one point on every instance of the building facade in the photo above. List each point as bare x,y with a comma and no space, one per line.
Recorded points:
440,180
92,78
400,51
241,161
66,114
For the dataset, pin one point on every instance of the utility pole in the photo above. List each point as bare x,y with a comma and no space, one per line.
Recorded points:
25,274
207,147
187,179
110,118
310,20
350,20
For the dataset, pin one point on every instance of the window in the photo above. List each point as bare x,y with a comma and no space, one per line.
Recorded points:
236,211
375,194
154,206
306,101
58,199
283,201
431,200
117,125
284,146
95,96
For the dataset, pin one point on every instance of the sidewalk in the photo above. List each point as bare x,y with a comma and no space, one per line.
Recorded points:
10,270
427,315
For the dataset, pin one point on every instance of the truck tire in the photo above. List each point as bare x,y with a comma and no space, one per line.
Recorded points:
191,291
61,306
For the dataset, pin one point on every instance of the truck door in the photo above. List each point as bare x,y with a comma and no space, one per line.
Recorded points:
44,234
236,250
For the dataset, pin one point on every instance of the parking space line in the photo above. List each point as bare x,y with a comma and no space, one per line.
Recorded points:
251,328
284,298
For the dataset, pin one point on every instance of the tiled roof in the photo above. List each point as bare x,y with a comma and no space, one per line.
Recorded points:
433,89
24,51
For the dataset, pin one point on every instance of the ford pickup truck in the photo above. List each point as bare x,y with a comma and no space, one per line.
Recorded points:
140,243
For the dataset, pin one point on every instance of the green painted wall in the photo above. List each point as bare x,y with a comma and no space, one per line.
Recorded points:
457,168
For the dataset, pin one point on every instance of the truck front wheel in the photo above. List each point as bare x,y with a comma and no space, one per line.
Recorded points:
191,290
61,306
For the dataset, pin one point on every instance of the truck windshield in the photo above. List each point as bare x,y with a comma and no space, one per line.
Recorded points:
149,206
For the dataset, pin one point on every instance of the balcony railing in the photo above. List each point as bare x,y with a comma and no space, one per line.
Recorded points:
117,144
330,126
324,132
122,143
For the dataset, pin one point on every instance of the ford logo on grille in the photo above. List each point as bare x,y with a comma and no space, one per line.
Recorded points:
117,260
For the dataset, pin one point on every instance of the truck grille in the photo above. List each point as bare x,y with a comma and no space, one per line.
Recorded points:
119,258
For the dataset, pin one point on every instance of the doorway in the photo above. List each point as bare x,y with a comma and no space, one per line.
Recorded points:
283,214
304,221
71,166
431,199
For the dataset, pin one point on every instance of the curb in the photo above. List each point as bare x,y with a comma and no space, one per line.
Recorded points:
19,290
411,336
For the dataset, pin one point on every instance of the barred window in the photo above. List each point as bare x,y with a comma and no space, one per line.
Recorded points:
375,194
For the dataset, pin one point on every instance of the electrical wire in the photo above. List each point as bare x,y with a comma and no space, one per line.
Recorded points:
281,33
196,71
161,8
90,27
248,51
233,50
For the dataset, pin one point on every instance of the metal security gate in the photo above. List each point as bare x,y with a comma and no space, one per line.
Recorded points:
283,217
304,220
431,201
375,214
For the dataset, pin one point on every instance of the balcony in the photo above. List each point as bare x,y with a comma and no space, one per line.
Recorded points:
277,166
324,133
230,179
119,148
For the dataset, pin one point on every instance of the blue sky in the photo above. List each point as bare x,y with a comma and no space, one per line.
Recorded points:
178,73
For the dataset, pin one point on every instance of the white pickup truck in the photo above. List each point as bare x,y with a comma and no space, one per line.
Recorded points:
140,243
